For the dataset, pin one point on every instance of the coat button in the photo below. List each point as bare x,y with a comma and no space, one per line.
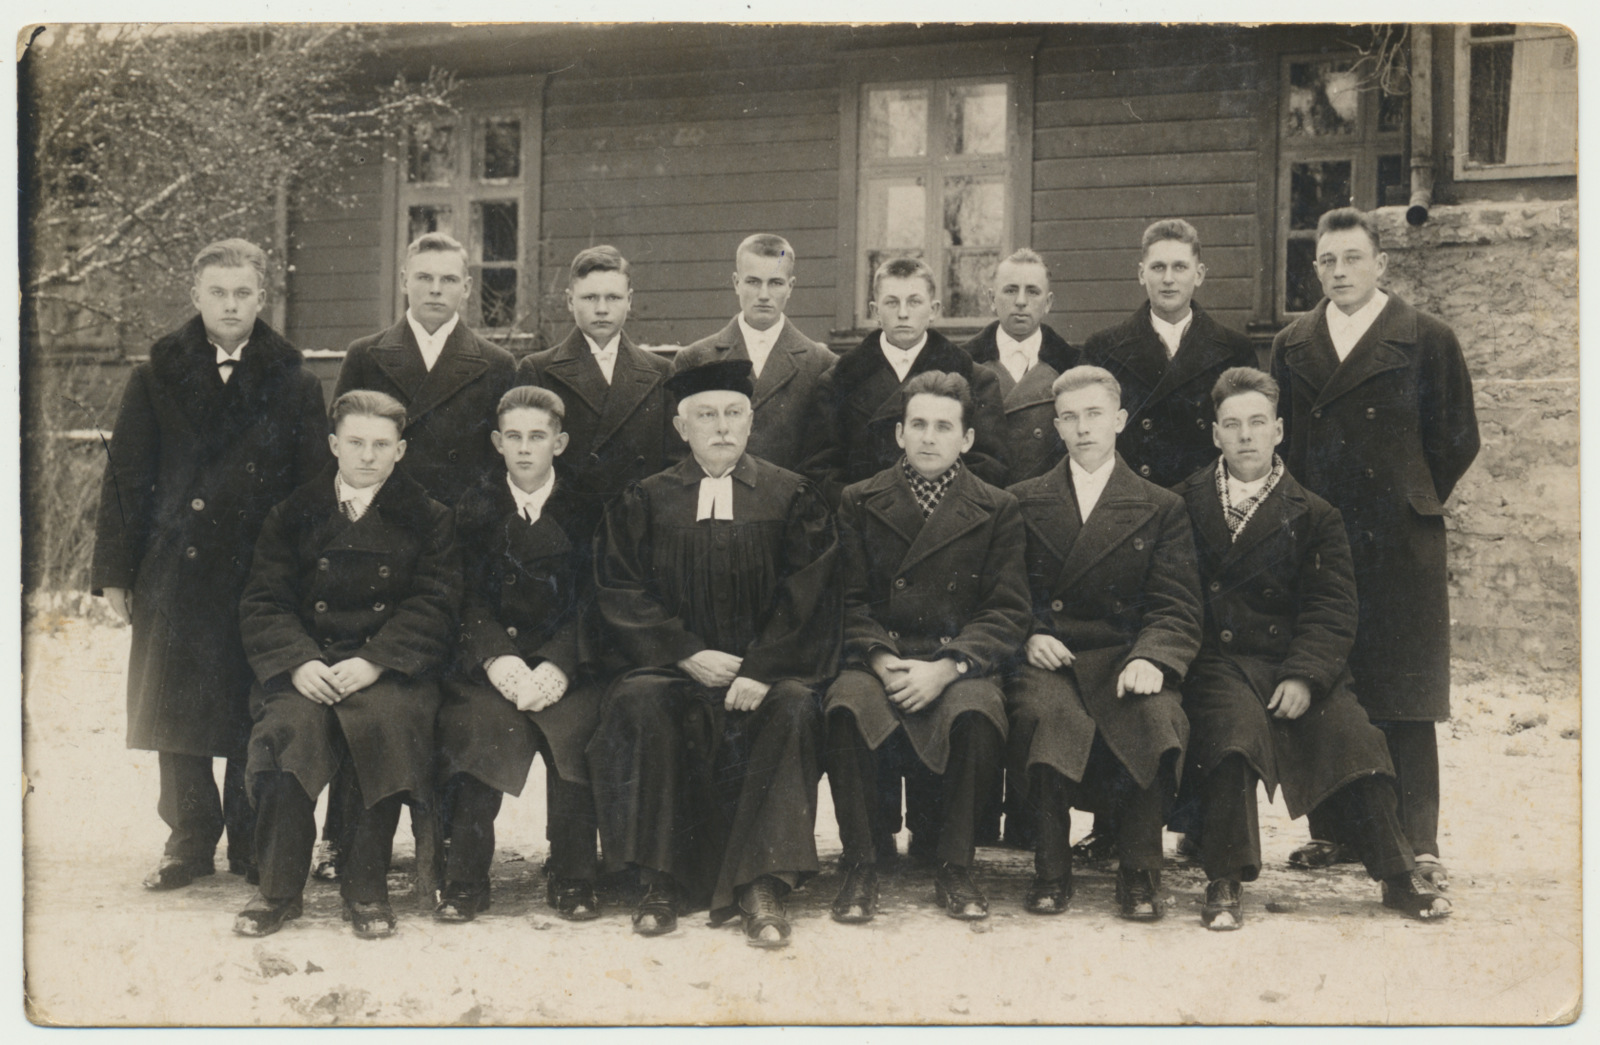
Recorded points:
1144,470
1116,605
1370,473
378,607
383,571
1272,629
1372,412
1317,414
198,505
1056,605
899,582
191,552
242,513
511,632
950,587
1138,544
250,466
1267,593
321,607
455,455
327,643
1227,636
594,457
1200,422
322,564
1146,424
943,639
895,635
510,579
1038,433
1216,585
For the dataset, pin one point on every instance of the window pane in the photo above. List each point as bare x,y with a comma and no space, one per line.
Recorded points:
1489,103
974,212
1394,188
496,291
430,154
897,214
494,232
1324,100
976,114
1316,188
896,123
1494,29
500,145
1391,111
1302,289
967,273
425,219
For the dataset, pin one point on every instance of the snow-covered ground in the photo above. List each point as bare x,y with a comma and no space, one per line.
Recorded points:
1314,948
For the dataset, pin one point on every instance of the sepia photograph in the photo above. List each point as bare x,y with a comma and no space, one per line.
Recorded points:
882,524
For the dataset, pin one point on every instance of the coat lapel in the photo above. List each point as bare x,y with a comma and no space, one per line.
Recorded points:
1141,351
1379,350
574,366
1205,511
780,367
894,505
1283,506
631,381
458,364
397,354
1033,390
958,514
1197,353
1122,508
1053,517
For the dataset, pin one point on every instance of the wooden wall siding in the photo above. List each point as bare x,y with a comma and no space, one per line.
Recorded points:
674,158
335,285
1164,124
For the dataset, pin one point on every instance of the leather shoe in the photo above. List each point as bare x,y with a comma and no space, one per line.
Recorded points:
1096,849
1222,910
572,898
461,903
1049,895
371,921
959,894
1433,873
1316,854
325,861
857,901
175,873
764,922
263,917
1411,894
1188,848
1138,895
658,911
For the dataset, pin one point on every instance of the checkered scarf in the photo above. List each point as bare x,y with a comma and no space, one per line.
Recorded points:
929,492
1237,515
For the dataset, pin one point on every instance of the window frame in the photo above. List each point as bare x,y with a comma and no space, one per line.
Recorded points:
1007,58
1466,169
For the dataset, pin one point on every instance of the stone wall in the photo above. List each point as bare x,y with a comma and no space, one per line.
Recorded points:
1505,277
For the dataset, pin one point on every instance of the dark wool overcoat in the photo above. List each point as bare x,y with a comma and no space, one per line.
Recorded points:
619,433
1168,434
860,401
951,584
195,465
784,403
1118,587
387,588
1384,436
450,410
1032,444
527,589
1280,604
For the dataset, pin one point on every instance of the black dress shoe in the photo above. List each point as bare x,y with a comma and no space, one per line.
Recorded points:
1138,895
1222,911
658,911
173,873
765,924
370,921
1097,849
1413,895
857,901
325,861
573,898
1049,895
461,903
959,894
263,917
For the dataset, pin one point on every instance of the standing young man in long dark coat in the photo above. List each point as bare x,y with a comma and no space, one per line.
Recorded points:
1269,698
716,581
1379,420
347,620
521,687
935,603
222,423
1116,621
785,364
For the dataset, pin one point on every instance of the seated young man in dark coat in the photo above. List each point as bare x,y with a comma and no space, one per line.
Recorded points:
935,602
715,580
347,618
520,690
1269,696
1116,620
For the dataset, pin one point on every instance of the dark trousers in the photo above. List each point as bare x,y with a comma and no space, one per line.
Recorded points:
1414,750
1230,843
197,816
473,805
952,800
1136,813
286,830
427,829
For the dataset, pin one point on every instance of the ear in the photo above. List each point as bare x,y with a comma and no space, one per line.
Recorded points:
1199,273
679,425
1277,431
900,434
1049,301
1383,263
498,440
935,309
194,297
560,443
736,280
333,443
872,311
1216,434
399,449
967,440
571,307
1122,420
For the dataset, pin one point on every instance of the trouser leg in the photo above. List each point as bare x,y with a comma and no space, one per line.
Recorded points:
1138,813
238,815
286,830
339,814
1368,808
853,782
638,763
366,865
1230,834
474,805
570,826
1050,797
975,747
1414,750
190,807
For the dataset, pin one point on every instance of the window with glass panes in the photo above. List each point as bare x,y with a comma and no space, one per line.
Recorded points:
466,176
1340,144
1516,101
935,162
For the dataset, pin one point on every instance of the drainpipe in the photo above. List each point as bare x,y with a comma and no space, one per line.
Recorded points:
280,242
1421,124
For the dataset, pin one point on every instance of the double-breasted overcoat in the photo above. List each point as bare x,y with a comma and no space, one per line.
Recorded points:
450,410
1384,436
1032,444
195,465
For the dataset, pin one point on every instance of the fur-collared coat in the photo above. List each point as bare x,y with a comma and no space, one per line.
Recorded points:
195,466
450,410
387,588
1032,443
1384,437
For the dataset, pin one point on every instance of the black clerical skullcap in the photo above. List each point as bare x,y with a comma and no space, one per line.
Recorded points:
724,375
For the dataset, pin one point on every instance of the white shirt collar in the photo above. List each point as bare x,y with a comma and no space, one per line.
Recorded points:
1347,330
902,359
1171,334
1090,485
1028,346
1240,491
716,496
758,343
228,357
610,347
530,505
431,345
362,498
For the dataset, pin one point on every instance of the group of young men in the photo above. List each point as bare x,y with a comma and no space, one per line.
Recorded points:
694,587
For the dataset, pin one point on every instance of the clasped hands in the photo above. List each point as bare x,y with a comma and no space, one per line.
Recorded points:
912,685
715,669
530,689
330,683
1139,676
